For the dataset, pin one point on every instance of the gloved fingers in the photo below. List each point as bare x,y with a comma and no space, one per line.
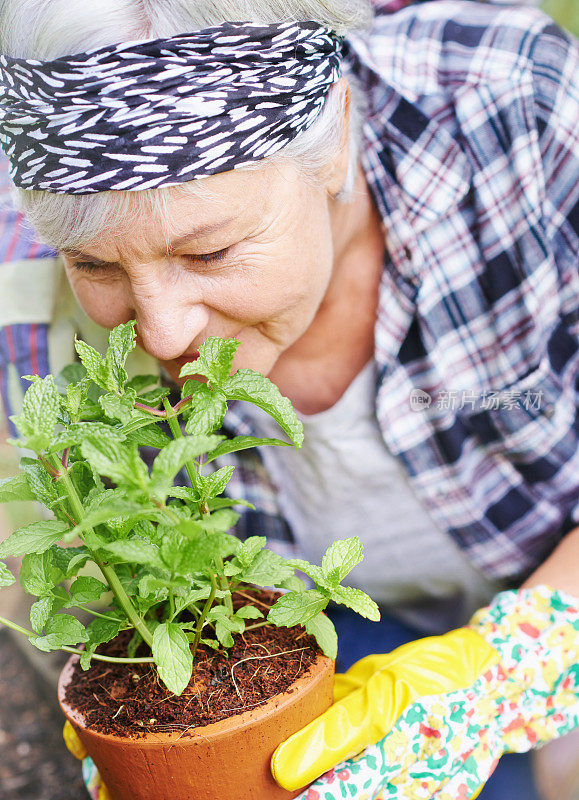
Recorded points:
359,777
92,780
452,658
365,715
358,720
72,742
344,685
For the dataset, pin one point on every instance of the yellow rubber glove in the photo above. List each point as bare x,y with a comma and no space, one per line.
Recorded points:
434,716
94,785
371,696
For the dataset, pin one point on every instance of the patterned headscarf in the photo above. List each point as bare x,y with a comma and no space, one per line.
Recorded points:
146,114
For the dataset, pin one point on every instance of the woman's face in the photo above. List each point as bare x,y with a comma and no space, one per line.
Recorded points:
251,258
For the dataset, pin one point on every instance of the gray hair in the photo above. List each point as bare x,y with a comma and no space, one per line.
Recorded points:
47,29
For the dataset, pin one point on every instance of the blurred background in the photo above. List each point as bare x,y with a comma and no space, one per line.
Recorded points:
34,764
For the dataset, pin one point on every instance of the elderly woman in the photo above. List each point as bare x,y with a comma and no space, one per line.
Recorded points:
385,214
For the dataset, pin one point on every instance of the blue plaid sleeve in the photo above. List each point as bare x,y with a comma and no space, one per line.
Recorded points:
555,58
23,345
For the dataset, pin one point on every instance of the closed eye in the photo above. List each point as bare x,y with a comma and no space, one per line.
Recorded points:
207,258
91,267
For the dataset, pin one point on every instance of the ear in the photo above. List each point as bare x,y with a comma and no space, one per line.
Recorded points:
338,168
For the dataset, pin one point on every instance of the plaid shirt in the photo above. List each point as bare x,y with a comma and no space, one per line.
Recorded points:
471,153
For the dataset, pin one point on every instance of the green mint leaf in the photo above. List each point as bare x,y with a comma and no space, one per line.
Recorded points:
225,625
85,660
184,493
141,382
157,588
228,502
77,432
34,538
42,611
173,458
149,436
268,569
323,629
220,521
62,630
173,657
117,514
208,407
38,574
40,483
357,600
294,584
76,397
99,631
15,489
120,408
122,340
215,360
95,366
70,559
296,608
39,416
248,612
314,572
257,389
243,443
213,643
224,628
119,461
249,550
214,484
154,397
340,558
133,551
86,590
188,557
6,577
71,374
102,630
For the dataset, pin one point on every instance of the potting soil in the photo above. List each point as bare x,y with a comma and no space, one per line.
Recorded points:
130,700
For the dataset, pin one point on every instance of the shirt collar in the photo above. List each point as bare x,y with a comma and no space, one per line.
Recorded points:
416,169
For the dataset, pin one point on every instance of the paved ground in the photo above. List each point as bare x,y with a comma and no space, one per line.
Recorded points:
34,763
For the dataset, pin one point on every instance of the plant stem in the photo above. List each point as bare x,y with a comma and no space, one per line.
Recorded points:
110,659
154,411
124,601
75,650
97,613
171,601
108,571
202,618
15,627
177,434
257,625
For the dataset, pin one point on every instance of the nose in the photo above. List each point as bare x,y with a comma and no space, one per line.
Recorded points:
167,321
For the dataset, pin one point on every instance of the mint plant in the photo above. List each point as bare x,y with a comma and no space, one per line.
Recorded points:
166,557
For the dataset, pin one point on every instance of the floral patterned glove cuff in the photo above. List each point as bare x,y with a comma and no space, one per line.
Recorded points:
447,746
534,690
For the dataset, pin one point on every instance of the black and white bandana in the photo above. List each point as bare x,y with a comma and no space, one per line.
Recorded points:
147,114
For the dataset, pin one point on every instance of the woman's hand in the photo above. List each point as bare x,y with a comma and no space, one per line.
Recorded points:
436,715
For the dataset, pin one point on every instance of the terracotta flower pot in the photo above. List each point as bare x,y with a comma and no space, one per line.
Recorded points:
228,760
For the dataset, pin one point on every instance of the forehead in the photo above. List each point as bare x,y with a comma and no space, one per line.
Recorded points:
226,204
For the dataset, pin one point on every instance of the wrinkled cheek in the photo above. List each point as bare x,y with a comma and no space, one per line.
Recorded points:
105,305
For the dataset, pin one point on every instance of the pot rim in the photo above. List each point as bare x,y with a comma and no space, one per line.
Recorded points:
224,727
